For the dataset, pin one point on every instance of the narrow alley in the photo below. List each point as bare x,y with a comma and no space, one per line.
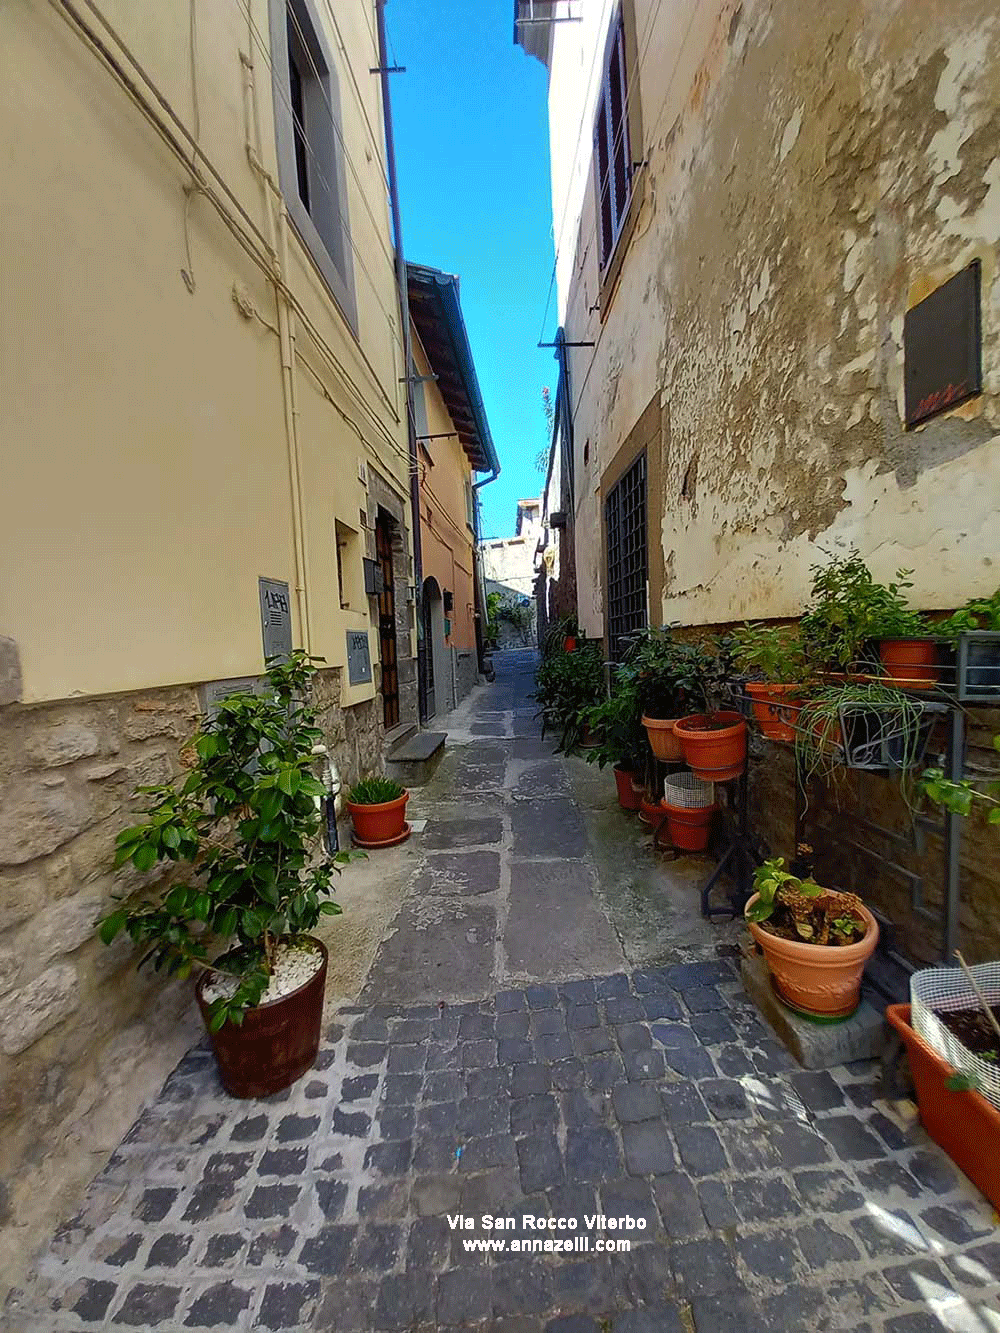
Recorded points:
549,1030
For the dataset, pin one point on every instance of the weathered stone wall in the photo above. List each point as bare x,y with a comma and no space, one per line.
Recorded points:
84,1039
809,171
466,673
843,845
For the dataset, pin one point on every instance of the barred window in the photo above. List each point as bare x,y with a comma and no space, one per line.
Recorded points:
612,149
628,569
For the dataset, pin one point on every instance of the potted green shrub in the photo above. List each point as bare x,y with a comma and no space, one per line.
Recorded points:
669,675
377,807
974,629
622,740
245,821
861,726
850,610
815,941
776,656
567,686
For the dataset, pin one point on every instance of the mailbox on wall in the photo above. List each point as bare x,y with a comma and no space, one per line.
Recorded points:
374,582
449,601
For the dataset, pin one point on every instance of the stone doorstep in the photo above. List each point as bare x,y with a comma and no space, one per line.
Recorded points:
414,762
814,1045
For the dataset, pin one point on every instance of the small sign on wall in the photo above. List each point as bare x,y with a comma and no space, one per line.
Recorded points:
359,661
275,618
942,348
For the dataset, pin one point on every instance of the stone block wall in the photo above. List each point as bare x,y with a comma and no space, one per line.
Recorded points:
466,672
84,1039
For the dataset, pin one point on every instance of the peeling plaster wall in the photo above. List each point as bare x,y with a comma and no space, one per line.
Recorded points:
809,172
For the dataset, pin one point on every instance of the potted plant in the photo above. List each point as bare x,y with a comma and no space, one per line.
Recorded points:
567,686
714,744
851,610
377,807
815,941
975,630
776,656
869,726
245,821
622,740
690,805
952,1034
670,680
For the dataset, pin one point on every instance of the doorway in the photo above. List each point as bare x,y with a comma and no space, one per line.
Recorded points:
387,620
435,648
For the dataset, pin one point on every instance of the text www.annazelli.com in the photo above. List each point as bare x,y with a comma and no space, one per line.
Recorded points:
547,1245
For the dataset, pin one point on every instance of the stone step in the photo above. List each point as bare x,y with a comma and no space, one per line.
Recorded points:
413,762
397,736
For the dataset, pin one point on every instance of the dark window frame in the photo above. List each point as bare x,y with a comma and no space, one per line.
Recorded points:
308,144
626,542
613,174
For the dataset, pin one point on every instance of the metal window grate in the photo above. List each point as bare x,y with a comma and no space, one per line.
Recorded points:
625,516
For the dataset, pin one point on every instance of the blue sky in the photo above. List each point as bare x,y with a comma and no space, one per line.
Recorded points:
471,127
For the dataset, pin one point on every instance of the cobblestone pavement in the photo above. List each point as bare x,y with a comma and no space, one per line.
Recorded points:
512,1054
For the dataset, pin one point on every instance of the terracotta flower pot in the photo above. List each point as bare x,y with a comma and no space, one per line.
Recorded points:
688,829
275,1044
819,979
964,1123
910,662
712,752
569,643
651,813
376,825
775,709
628,797
662,740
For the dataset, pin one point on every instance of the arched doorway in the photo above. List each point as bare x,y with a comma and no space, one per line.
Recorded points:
435,650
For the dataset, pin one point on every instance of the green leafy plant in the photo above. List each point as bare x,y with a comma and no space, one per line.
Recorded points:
617,723
865,725
962,797
246,821
670,676
558,632
981,613
849,609
567,686
770,653
375,791
801,909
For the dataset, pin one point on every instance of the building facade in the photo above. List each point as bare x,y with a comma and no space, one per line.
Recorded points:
749,201
205,459
455,443
509,572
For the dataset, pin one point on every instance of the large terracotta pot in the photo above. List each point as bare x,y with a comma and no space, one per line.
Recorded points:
964,1123
275,1044
819,979
628,797
379,825
688,829
662,741
775,709
910,662
713,753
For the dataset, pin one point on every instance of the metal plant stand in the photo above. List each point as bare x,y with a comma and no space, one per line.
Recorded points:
739,858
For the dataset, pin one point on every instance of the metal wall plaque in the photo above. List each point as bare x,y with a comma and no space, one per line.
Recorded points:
213,692
275,618
942,348
359,660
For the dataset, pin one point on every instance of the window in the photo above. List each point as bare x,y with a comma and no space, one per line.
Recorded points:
310,152
348,553
470,506
625,517
612,147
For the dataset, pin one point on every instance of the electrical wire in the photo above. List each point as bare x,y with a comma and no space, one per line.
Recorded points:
361,101
633,83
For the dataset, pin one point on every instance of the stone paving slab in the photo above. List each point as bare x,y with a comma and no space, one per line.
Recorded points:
773,1197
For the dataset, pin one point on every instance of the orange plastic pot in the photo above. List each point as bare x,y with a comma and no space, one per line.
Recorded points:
822,980
662,741
651,813
910,662
569,644
628,797
688,829
374,824
775,709
712,752
963,1123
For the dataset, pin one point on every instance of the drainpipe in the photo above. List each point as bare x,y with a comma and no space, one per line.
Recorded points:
479,582
404,314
